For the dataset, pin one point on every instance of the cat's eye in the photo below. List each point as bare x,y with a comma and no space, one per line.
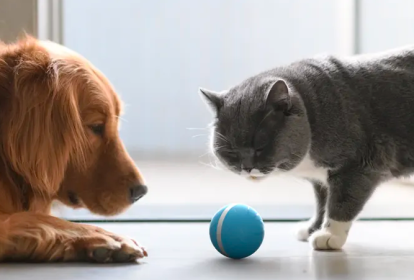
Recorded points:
97,129
229,153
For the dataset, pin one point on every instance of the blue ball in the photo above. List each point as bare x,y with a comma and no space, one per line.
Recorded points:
237,231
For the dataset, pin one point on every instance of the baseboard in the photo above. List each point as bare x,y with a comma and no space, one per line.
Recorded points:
205,212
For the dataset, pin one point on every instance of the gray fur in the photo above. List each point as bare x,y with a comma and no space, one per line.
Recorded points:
356,115
321,195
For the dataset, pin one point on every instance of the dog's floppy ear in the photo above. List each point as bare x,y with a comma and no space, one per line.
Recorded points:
42,129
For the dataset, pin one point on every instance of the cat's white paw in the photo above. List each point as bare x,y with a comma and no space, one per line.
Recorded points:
305,228
332,236
325,240
302,232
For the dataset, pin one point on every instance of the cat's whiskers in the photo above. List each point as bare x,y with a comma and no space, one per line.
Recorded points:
220,147
210,164
209,152
197,128
198,135
222,137
296,156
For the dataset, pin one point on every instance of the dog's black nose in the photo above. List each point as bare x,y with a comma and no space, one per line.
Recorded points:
137,192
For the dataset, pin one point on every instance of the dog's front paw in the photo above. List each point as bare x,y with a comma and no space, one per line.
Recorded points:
125,250
325,240
105,247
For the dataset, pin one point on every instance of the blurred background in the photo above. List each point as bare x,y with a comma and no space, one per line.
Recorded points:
157,53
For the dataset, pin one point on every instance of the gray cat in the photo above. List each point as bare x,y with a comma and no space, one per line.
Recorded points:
346,124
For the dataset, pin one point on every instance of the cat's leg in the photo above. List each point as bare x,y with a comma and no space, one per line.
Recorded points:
315,223
348,192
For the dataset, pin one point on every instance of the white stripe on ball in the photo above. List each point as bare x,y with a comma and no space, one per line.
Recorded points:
220,225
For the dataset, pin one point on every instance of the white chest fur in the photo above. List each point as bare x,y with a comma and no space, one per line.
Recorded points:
307,169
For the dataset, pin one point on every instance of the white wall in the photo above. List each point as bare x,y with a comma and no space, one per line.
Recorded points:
386,24
158,52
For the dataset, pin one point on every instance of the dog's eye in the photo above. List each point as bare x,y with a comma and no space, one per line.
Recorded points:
73,198
98,129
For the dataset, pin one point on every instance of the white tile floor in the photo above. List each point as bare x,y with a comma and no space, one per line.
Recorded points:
375,250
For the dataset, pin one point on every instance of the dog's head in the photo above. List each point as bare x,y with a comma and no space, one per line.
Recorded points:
60,129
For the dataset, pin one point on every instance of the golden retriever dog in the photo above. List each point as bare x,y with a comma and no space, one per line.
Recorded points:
59,141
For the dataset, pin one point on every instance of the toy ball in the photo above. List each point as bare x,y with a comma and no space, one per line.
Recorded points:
237,231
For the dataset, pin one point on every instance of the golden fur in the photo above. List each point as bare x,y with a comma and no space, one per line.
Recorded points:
50,97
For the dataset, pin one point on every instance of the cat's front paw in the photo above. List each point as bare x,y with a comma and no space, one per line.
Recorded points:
305,229
326,240
303,232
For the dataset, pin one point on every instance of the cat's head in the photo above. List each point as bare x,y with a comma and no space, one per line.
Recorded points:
260,126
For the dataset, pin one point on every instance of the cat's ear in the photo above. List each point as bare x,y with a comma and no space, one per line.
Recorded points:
278,97
213,99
